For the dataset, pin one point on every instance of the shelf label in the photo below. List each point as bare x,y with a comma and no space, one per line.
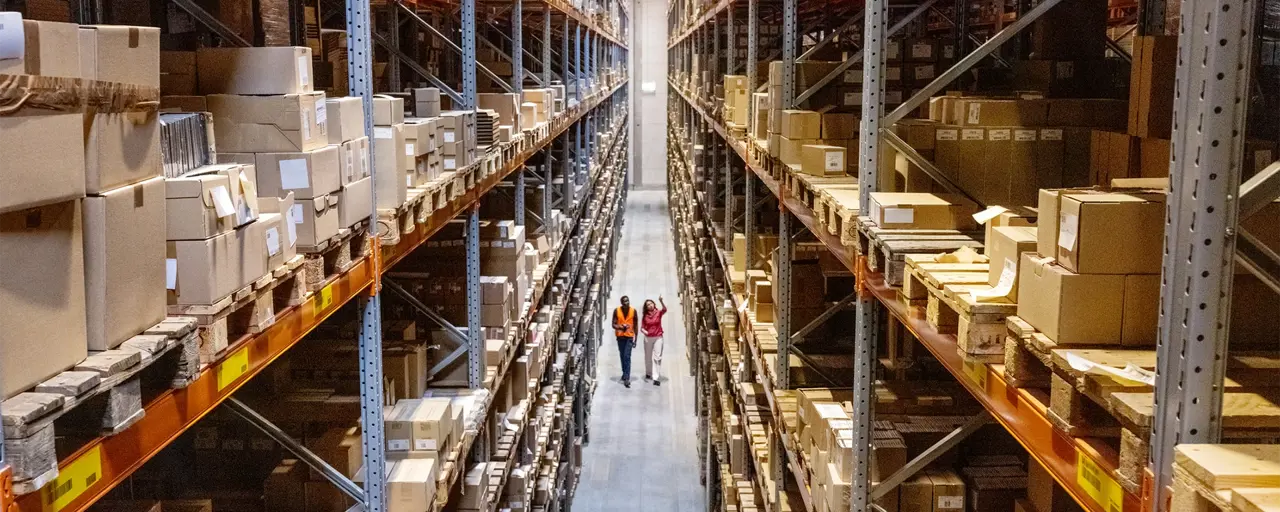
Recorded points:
73,480
976,371
1098,484
233,368
324,299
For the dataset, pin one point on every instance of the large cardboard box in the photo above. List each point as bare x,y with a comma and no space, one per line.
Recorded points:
241,178
316,219
354,160
507,105
250,245
121,149
124,251
1111,233
355,202
42,287
822,160
917,210
387,110
801,124
1151,86
344,119
283,232
201,271
307,174
389,177
411,485
790,150
118,53
1005,248
261,70
177,73
49,49
41,160
1121,309
258,124
198,206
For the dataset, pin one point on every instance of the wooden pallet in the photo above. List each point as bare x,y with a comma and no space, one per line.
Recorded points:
946,288
1227,478
836,206
885,249
101,395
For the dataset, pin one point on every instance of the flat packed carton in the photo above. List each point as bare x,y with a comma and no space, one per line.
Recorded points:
355,202
316,219
307,174
916,210
262,70
1111,233
1121,309
42,294
124,247
259,124
344,119
49,49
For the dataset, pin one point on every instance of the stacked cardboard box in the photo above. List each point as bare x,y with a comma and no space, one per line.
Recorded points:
737,98
497,305
390,152
422,150
458,148
346,130
543,101
426,101
506,105
421,428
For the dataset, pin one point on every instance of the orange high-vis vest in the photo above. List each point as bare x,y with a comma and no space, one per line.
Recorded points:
628,322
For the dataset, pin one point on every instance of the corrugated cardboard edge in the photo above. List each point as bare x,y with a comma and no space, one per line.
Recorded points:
19,92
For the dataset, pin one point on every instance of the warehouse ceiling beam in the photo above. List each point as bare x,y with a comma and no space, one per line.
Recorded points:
967,62
211,22
300,451
455,334
457,49
844,304
913,156
417,68
857,56
831,36
931,454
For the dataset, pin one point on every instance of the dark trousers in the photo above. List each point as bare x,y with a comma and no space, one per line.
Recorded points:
625,344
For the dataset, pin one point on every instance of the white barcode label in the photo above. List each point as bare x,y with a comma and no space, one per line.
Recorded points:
383,132
975,113
322,112
972,134
273,241
1024,135
398,445
1051,134
947,135
294,174
997,135
950,502
171,274
834,161
899,215
13,39
424,444
1068,224
304,71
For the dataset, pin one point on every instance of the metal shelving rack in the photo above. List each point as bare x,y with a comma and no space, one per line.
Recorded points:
96,468
1203,236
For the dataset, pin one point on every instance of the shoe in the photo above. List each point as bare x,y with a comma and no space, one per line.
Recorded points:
648,378
657,383
627,383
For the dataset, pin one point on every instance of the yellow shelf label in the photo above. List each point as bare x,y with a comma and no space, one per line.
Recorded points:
233,368
976,371
1098,484
324,299
73,480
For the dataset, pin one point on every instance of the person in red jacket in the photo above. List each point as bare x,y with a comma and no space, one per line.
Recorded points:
651,326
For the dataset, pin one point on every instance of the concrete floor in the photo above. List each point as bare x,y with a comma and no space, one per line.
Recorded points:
643,451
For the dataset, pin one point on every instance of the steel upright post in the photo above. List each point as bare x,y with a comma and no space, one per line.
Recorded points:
469,54
1210,102
360,74
475,338
546,44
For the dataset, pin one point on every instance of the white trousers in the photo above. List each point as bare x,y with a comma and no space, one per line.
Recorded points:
652,355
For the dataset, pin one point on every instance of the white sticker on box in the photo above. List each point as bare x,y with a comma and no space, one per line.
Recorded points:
351,165
1024,135
1003,287
899,215
948,51
306,131
364,161
834,161
972,134
13,39
852,76
1066,69
409,149
424,444
925,72
304,71
449,136
273,241
294,174
975,113
921,51
947,135
1068,224
247,209
852,99
956,502
450,163
322,111
1000,134
892,97
222,201
1051,134
383,132
398,445
408,180
171,274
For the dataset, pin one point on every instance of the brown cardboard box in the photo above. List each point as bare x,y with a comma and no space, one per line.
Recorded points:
1111,233
387,110
250,245
948,491
202,271
1053,299
42,294
389,177
839,126
355,202
42,159
262,70
117,53
198,206
316,219
184,104
124,251
178,73
343,118
121,149
411,485
789,150
1151,86
280,243
50,49
241,178
1005,248
1154,158
1112,155
257,124
800,124
354,159
507,105
820,160
915,210
1003,112
307,174
495,315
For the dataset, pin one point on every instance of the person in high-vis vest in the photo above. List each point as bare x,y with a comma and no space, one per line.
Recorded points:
625,325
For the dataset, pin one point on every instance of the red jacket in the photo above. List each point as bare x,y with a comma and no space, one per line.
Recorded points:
651,324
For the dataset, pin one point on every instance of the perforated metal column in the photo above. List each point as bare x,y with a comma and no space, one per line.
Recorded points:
469,55
475,338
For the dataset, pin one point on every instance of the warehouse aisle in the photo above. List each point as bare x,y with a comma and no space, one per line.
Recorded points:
643,454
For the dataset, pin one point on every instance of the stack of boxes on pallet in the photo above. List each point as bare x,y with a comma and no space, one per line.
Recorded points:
522,112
